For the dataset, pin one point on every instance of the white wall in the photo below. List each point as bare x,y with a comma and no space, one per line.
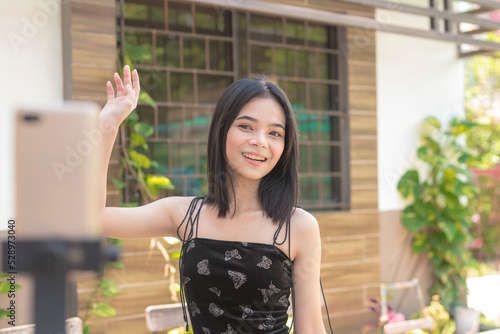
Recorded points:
416,78
31,58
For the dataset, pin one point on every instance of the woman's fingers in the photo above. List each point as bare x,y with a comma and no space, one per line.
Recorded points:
119,85
126,76
110,91
136,86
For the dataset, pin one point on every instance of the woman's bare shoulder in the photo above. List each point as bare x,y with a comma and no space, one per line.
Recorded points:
306,229
303,221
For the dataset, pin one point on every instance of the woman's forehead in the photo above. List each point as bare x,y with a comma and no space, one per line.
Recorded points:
263,109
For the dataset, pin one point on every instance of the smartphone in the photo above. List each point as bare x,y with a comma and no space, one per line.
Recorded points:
57,157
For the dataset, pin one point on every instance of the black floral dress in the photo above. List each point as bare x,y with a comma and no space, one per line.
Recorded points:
230,287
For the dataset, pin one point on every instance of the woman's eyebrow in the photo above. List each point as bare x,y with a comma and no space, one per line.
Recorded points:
256,121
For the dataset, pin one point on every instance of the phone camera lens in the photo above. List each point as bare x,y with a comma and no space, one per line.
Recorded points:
30,117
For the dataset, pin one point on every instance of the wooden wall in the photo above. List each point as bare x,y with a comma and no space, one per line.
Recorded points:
350,240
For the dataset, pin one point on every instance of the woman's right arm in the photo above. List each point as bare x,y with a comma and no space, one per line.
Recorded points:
151,220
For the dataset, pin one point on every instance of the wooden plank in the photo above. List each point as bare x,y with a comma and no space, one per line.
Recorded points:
339,7
345,301
347,224
133,300
362,74
362,149
362,99
364,199
353,323
96,49
350,275
93,17
363,174
341,250
363,125
372,247
91,82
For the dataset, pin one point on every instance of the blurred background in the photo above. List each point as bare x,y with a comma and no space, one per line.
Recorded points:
397,104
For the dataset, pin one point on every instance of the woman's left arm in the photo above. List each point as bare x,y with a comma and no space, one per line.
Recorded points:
306,273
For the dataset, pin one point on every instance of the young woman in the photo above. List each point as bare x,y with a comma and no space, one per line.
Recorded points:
246,245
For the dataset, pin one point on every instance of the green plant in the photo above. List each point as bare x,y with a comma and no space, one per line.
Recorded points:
442,322
5,289
438,215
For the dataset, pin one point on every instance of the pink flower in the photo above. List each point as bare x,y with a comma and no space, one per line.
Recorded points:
396,317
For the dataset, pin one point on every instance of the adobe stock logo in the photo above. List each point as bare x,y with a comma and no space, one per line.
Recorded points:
30,27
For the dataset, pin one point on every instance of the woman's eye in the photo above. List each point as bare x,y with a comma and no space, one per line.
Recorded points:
245,127
275,134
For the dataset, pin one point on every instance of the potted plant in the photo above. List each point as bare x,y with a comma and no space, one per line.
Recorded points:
438,214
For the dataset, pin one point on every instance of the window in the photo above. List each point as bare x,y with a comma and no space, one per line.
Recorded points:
196,51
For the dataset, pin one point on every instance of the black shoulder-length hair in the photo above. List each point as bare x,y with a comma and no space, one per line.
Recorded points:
279,189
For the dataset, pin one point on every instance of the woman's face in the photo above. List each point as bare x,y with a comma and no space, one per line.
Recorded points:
256,139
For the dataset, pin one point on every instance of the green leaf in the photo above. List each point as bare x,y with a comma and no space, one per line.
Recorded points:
140,160
408,183
144,129
137,140
117,264
420,243
2,275
115,242
159,182
434,122
448,228
119,184
103,310
175,255
133,116
109,287
86,329
411,220
138,54
5,287
3,314
424,210
129,205
464,158
431,144
145,98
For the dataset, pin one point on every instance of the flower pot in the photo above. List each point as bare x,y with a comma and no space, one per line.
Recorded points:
467,320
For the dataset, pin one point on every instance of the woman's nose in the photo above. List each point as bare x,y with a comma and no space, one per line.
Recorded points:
259,139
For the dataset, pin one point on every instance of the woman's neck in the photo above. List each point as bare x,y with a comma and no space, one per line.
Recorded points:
245,196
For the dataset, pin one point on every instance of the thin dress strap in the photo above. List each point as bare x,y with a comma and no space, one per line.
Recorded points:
188,235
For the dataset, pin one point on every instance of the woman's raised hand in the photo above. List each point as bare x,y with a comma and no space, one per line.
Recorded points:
119,106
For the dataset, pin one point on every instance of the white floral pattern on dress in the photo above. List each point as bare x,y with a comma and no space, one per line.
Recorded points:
247,310
215,290
215,310
244,243
268,323
265,263
190,246
286,265
267,293
232,255
205,330
203,267
194,309
283,300
238,278
230,330
185,280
